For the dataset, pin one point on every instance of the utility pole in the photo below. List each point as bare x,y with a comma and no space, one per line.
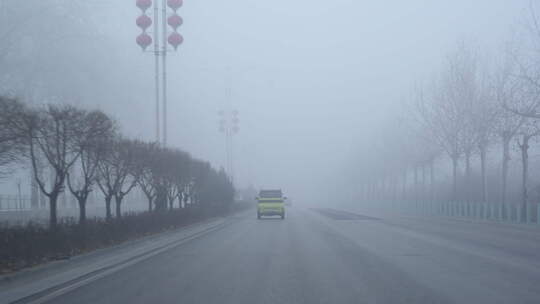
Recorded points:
173,39
156,55
228,125
164,62
19,194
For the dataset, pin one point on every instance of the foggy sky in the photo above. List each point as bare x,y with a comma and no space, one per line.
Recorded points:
310,78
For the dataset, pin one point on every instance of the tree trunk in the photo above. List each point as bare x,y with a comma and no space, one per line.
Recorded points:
454,177
423,192
82,210
150,199
467,187
171,202
432,181
34,194
383,192
524,147
161,199
53,201
394,188
505,160
483,153
108,199
118,201
416,183
404,185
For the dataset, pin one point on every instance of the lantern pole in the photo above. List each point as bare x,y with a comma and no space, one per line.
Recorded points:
175,39
164,42
228,121
156,53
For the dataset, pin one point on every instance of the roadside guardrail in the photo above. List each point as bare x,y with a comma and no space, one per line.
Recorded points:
508,212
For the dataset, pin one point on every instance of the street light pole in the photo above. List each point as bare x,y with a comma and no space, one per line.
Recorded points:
174,39
164,53
228,124
156,52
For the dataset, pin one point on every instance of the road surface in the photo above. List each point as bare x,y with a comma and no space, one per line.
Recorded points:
333,256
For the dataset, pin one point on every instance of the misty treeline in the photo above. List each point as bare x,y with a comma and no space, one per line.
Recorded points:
83,151
471,116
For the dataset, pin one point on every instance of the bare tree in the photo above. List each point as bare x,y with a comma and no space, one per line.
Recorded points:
178,176
97,132
118,174
147,155
52,135
528,131
507,93
485,119
443,116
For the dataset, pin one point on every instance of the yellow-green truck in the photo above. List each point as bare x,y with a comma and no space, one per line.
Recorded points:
270,202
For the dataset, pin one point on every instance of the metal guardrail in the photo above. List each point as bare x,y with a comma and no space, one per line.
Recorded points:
511,213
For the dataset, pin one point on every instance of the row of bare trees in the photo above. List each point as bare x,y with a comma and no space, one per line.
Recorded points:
469,109
85,151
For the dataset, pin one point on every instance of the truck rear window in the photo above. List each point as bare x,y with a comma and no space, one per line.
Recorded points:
270,193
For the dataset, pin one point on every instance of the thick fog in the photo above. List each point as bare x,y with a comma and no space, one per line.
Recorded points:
311,79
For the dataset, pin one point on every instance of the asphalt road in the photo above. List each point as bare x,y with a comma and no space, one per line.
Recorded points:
331,256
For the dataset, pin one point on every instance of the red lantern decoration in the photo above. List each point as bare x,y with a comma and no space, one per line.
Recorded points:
175,40
144,40
175,21
144,4
144,22
175,4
